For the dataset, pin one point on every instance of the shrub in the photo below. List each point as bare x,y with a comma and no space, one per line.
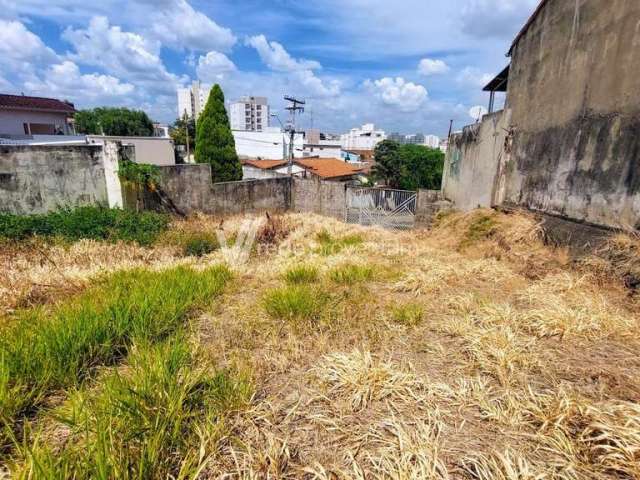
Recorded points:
42,352
331,246
97,223
350,274
410,314
198,244
294,302
141,175
301,274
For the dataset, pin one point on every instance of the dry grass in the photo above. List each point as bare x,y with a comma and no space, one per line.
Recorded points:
472,351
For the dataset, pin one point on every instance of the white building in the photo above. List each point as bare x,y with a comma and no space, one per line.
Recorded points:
192,100
249,114
271,144
363,138
432,141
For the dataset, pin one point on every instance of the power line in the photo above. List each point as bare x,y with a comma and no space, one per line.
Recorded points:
294,107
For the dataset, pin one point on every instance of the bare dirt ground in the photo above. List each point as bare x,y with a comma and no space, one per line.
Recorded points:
471,351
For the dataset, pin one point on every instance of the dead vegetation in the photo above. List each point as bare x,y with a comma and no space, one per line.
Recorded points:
472,351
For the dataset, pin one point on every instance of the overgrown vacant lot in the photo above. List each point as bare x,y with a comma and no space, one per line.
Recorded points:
472,351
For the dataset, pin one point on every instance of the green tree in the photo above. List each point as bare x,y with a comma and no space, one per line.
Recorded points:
421,167
214,141
179,132
388,167
408,167
113,121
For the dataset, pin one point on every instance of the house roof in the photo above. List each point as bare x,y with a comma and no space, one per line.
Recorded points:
524,29
499,84
327,167
22,102
265,164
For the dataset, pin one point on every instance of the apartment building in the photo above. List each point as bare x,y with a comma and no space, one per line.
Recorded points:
192,100
249,114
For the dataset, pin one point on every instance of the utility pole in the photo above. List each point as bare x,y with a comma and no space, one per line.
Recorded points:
293,108
186,131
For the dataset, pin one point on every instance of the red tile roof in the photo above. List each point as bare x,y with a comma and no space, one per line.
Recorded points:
265,164
22,102
327,167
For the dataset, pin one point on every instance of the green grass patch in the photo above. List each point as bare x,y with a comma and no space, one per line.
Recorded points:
350,274
42,352
301,274
410,314
295,302
480,228
90,222
330,245
161,418
198,244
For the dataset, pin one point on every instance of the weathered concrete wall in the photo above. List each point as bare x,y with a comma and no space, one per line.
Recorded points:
190,189
573,91
316,196
428,204
473,160
43,178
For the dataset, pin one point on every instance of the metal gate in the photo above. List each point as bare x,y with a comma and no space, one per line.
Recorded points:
384,207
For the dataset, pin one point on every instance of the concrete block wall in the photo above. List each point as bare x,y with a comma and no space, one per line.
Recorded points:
37,179
323,198
190,188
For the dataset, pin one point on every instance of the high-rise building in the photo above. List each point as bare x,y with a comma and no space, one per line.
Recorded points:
432,141
249,114
192,100
363,138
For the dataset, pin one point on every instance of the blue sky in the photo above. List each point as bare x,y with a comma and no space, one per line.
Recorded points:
406,65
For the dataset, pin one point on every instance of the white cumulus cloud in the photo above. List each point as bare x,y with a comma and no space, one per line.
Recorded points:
397,92
126,55
16,42
213,67
428,67
64,80
473,77
177,24
274,56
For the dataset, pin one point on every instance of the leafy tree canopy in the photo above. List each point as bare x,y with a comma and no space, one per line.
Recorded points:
408,167
113,121
179,132
214,141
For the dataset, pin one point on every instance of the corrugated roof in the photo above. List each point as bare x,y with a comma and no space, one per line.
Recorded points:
524,29
500,82
265,164
327,167
23,102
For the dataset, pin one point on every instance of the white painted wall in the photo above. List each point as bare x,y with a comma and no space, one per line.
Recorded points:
266,145
12,121
150,150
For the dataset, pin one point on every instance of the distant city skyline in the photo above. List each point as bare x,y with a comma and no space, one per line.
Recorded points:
353,65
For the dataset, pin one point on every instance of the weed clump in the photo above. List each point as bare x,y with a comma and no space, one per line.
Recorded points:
481,228
145,424
273,231
301,274
42,352
96,223
199,244
409,315
294,302
351,274
331,246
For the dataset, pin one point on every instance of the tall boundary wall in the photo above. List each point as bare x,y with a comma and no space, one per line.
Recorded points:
37,179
